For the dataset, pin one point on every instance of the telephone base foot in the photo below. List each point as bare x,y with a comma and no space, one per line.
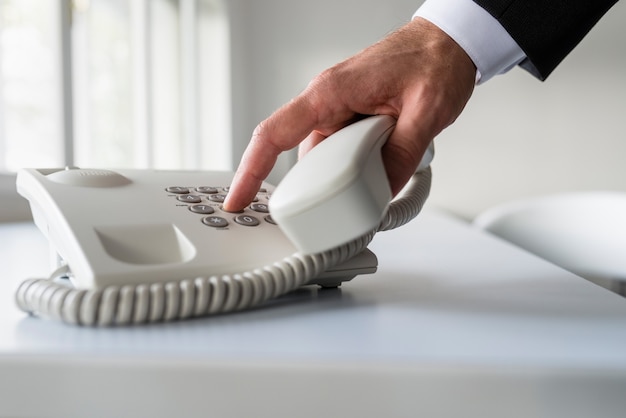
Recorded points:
364,262
333,285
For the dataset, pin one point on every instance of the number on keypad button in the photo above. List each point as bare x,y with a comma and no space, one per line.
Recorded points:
202,209
259,207
219,198
206,189
189,198
177,190
246,220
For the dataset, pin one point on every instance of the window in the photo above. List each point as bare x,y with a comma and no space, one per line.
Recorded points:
114,83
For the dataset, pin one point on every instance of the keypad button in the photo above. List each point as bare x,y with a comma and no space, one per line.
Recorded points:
259,207
177,190
202,209
215,221
270,220
189,198
230,211
206,189
246,220
219,198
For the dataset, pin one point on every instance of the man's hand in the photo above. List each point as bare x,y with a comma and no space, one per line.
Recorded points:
417,74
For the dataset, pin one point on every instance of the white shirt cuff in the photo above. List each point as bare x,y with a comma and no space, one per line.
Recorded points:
482,37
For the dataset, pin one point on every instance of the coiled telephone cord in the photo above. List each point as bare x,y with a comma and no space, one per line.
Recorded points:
181,299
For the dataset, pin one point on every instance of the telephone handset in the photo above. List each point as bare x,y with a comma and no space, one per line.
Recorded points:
144,246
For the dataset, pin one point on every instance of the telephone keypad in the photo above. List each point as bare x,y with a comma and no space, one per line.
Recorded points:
215,195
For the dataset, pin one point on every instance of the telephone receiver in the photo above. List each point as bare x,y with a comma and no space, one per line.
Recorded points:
142,246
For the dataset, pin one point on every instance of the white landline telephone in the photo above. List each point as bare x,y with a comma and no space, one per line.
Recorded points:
140,246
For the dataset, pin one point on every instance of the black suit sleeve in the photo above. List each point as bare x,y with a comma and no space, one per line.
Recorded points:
546,30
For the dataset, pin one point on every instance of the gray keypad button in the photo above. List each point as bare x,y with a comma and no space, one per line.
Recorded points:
246,220
177,190
219,198
270,220
206,189
202,209
259,207
189,198
229,211
215,221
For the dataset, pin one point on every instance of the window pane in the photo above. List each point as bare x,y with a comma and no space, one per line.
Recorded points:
102,84
165,84
29,115
131,63
150,84
214,86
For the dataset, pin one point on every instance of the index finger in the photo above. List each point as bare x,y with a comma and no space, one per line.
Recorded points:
282,131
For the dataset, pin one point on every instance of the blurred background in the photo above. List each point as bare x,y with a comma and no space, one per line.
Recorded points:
173,84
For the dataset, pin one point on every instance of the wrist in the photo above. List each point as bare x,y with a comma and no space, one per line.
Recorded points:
491,48
443,49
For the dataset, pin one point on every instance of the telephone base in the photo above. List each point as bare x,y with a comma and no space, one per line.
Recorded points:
365,262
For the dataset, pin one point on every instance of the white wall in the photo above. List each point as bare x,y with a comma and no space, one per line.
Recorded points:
518,137
13,207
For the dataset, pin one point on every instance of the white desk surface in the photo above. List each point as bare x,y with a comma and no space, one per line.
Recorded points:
454,323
